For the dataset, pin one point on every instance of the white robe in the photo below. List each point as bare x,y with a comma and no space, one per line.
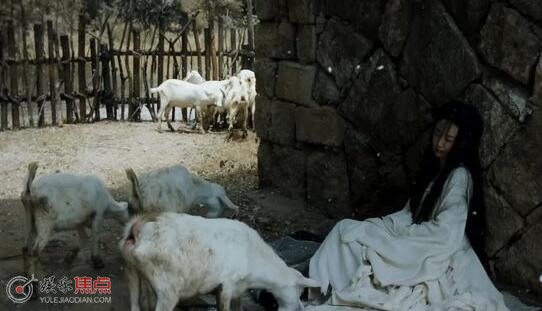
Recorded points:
389,263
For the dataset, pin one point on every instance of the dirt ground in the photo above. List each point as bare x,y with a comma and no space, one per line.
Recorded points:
106,149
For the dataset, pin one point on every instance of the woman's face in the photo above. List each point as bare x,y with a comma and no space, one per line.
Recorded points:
444,136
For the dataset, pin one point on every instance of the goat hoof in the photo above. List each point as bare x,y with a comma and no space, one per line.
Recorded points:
97,262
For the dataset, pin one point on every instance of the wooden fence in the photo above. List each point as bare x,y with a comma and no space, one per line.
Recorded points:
40,88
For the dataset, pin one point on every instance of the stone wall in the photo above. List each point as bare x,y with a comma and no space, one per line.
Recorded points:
346,89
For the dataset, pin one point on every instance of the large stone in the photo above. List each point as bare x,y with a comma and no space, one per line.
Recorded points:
510,43
362,173
325,91
319,126
265,163
377,105
262,117
437,60
327,184
513,98
517,172
498,125
502,222
395,25
364,15
301,11
275,40
282,129
537,87
469,15
520,265
532,8
294,82
409,116
373,95
270,10
282,168
340,50
266,75
306,43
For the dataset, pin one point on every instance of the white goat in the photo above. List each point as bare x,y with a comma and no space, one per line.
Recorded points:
183,94
175,189
183,256
60,202
236,90
249,79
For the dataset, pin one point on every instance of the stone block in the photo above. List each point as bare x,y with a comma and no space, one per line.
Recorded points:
319,126
301,11
275,40
437,60
340,50
395,25
327,184
282,129
510,42
306,43
294,82
498,125
266,75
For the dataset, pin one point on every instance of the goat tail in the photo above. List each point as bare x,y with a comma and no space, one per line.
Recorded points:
229,204
30,175
154,90
136,194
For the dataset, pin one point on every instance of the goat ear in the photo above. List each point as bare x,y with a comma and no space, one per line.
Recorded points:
132,177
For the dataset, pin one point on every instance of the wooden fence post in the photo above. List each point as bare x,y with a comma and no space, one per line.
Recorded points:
136,112
198,46
40,51
233,43
250,60
220,49
207,40
68,82
184,64
160,77
212,50
113,72
3,87
95,79
14,76
105,58
83,92
52,69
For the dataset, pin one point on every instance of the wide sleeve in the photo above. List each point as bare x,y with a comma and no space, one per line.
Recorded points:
420,252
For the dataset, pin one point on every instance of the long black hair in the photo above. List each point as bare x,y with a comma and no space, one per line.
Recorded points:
464,153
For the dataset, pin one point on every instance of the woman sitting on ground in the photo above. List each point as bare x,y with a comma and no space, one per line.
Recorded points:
428,255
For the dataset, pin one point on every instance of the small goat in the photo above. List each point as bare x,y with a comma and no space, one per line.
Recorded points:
60,202
183,256
175,189
183,94
236,91
248,77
